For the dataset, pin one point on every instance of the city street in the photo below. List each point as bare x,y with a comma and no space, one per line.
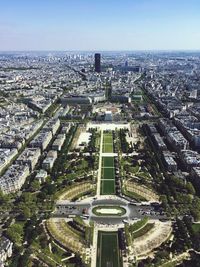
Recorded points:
133,211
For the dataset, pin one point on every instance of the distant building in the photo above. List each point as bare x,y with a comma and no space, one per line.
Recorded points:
108,116
29,156
5,250
190,159
190,127
127,68
41,140
41,176
52,125
6,155
49,160
151,129
97,63
65,129
177,141
158,142
169,162
57,144
98,98
195,178
14,178
76,100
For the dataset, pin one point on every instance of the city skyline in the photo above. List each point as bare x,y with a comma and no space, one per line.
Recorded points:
99,26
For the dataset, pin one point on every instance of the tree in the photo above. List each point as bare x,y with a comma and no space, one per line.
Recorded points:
15,261
25,259
15,233
195,214
26,212
164,201
42,195
28,200
43,241
4,200
50,189
190,188
28,197
35,185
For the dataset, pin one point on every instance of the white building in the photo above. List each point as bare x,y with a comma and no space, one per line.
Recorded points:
41,140
6,155
29,156
41,176
14,178
5,250
58,143
52,125
49,160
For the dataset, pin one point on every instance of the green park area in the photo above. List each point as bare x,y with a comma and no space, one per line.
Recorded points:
108,173
107,187
107,142
108,253
107,176
108,162
138,229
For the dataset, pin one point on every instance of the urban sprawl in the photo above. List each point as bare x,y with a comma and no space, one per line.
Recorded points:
100,159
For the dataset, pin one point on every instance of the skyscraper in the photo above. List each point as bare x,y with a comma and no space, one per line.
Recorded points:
97,64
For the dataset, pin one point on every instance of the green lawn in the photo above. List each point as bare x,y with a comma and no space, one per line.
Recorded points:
107,143
108,173
107,138
196,227
107,162
108,253
107,148
139,224
143,230
107,176
107,187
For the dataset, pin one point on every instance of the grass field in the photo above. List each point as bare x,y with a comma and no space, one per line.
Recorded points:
107,148
108,176
107,143
138,225
108,162
107,187
107,137
143,230
108,173
108,253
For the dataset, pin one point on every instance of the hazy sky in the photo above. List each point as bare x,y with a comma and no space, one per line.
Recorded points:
99,24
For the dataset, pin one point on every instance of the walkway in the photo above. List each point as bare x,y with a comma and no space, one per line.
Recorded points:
100,163
94,247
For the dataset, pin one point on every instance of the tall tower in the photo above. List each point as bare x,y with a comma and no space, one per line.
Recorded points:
97,63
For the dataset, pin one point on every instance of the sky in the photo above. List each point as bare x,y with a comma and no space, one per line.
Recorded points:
99,25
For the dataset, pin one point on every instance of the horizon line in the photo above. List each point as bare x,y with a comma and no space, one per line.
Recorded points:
104,50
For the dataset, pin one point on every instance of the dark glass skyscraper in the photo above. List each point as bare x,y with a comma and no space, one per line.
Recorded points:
97,63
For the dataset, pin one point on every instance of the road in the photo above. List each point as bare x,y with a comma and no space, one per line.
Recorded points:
133,211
